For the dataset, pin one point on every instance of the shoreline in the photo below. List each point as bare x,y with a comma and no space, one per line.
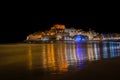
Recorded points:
47,41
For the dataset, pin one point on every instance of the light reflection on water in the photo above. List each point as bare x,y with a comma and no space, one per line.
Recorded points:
66,57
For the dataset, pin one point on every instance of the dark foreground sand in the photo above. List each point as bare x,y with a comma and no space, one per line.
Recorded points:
98,70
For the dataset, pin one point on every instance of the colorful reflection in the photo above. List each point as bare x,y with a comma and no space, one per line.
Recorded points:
65,57
30,57
103,50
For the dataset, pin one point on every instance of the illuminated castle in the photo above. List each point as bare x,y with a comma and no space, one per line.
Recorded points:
60,33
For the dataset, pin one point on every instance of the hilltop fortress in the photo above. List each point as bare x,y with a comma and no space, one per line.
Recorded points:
60,33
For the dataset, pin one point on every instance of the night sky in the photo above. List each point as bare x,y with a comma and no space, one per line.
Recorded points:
16,25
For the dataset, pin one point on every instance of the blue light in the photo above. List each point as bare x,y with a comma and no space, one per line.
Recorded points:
79,38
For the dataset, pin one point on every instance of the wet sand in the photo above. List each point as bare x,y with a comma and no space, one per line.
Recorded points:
96,70
108,69
14,66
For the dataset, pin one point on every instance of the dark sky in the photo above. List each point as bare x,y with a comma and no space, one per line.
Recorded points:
17,24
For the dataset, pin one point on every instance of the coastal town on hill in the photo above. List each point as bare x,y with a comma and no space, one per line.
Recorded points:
59,32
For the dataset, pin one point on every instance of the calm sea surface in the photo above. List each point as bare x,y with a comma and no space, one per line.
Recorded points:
52,61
